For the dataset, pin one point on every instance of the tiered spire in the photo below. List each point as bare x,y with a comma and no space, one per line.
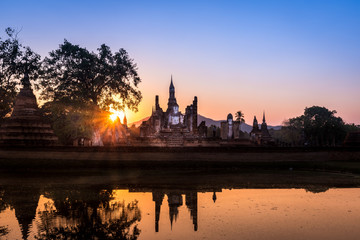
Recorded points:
255,124
172,100
264,129
26,125
264,116
171,89
171,84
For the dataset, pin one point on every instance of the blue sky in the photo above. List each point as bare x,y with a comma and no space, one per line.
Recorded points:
277,56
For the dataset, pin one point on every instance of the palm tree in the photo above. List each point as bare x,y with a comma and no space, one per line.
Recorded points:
239,115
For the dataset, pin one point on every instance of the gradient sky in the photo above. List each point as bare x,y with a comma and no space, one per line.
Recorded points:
277,56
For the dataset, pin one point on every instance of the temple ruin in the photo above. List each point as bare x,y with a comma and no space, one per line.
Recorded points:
261,136
26,125
171,127
230,129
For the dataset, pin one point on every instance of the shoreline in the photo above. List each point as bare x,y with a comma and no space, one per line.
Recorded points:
324,159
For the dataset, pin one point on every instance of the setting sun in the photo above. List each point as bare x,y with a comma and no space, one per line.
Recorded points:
116,114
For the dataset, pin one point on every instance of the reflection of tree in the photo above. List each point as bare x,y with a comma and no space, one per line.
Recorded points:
316,189
91,216
3,204
3,231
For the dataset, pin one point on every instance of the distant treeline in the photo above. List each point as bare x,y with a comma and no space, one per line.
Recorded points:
318,126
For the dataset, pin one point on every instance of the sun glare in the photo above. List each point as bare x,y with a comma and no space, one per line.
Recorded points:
116,114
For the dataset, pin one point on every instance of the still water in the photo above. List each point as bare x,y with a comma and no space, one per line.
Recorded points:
139,205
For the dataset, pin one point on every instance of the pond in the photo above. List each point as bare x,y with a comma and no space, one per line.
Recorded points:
179,205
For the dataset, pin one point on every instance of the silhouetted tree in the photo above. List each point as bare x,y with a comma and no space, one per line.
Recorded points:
292,132
239,116
15,61
71,120
321,127
318,126
80,84
351,128
103,78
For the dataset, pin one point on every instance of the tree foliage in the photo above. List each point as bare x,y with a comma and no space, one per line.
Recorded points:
293,131
239,116
15,61
69,120
321,127
7,96
73,73
318,126
80,85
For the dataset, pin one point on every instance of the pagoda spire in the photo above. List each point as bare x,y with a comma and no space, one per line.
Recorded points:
255,123
171,88
263,116
172,99
26,81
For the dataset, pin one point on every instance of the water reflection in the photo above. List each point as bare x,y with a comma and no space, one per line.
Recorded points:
3,206
88,215
95,207
175,200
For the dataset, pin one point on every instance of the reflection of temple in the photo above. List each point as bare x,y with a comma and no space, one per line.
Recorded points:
171,126
175,200
89,211
93,210
24,202
158,198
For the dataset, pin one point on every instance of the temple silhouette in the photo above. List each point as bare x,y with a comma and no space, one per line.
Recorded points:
171,127
26,125
261,136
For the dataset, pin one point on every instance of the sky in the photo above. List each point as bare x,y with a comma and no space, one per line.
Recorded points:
254,56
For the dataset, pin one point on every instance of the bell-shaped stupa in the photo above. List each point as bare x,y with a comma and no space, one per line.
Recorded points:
26,125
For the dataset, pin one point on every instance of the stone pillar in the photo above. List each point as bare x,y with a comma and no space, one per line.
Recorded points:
194,116
157,106
224,129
